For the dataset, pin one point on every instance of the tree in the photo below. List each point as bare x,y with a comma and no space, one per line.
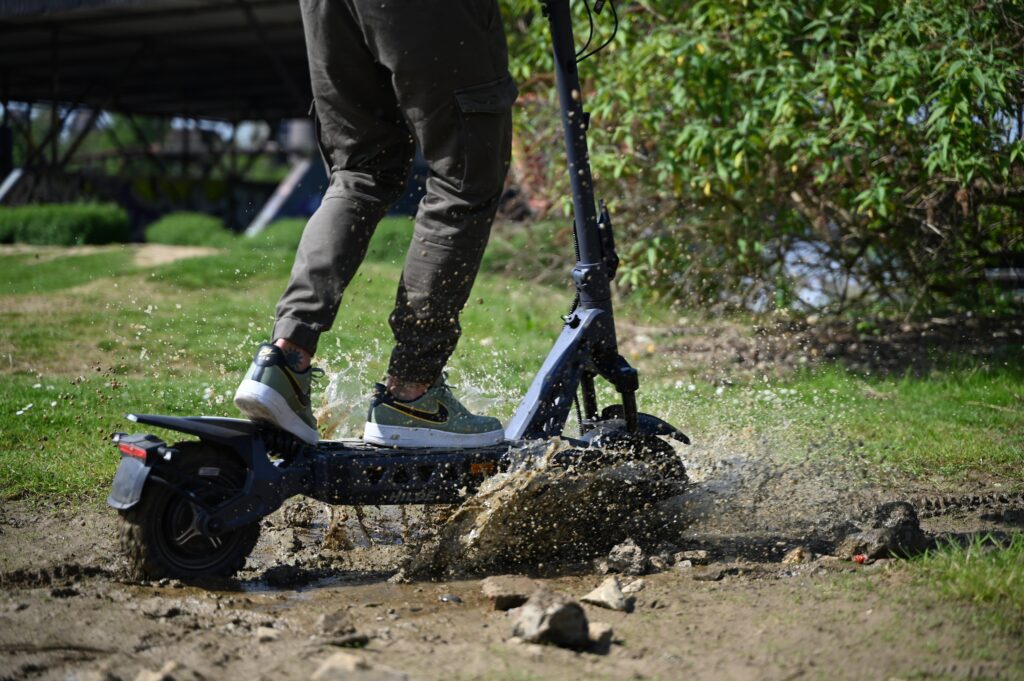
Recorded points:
765,147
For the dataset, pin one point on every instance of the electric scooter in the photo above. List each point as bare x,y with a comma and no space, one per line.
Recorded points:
193,509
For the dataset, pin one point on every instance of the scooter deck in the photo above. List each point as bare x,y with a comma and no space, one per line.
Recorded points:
345,471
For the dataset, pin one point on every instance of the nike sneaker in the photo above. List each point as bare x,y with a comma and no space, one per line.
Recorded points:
272,392
435,419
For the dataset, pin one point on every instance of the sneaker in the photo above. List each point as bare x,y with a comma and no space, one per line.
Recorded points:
435,419
274,393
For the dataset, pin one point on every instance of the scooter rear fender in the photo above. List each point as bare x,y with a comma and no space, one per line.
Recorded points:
129,480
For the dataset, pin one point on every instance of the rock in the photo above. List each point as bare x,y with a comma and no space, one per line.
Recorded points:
267,634
634,587
601,635
171,671
550,617
336,623
696,557
658,564
608,595
450,598
894,532
399,578
708,574
348,667
507,591
353,640
684,565
627,558
800,554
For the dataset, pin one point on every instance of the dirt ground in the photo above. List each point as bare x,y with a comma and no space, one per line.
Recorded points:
68,612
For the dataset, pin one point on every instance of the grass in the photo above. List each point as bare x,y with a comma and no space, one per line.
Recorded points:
86,338
953,424
988,577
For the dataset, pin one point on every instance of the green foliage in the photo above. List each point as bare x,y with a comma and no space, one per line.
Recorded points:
63,224
189,229
881,141
281,234
982,573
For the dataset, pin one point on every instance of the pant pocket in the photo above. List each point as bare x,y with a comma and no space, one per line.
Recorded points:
486,121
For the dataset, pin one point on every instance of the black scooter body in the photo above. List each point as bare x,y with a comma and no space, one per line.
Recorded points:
335,471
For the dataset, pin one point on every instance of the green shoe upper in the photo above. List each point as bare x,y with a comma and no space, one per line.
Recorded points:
437,409
270,368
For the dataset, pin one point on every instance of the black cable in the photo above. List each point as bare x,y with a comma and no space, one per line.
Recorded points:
590,35
606,43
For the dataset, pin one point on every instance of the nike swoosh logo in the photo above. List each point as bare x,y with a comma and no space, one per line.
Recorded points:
303,397
439,416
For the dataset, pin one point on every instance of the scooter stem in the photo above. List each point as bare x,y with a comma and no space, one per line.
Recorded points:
587,346
590,275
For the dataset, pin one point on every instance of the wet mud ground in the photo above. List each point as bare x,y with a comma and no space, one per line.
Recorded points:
68,611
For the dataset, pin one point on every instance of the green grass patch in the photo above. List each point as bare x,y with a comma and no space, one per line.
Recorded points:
984,574
953,423
45,271
176,339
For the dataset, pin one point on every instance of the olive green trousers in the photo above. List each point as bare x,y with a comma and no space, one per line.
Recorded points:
388,75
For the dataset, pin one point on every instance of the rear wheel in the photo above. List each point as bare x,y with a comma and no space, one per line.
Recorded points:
159,535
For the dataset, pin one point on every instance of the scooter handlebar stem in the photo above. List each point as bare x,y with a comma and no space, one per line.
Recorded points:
590,268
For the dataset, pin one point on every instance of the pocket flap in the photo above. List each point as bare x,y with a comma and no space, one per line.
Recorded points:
494,97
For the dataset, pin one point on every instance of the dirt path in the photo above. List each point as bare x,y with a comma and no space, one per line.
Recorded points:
65,612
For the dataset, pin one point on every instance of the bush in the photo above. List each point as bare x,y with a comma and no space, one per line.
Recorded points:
63,224
189,229
281,234
758,151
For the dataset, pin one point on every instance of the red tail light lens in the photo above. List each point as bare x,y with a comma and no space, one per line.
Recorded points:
129,449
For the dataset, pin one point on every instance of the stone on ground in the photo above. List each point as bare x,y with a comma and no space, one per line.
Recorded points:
627,558
609,595
507,591
348,667
267,634
894,532
551,617
800,554
696,557
634,587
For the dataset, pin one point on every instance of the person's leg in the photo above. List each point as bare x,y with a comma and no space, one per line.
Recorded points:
449,65
369,149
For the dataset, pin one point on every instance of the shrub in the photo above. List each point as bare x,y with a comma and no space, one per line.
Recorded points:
189,229
755,152
63,224
281,234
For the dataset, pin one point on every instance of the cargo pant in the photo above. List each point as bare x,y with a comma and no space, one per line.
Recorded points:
388,74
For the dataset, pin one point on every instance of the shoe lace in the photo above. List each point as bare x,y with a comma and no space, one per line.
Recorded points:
315,374
444,385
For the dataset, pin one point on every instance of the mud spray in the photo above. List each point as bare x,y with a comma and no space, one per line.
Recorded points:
748,496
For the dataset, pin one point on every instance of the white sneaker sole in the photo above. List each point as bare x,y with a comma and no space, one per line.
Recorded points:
262,403
400,436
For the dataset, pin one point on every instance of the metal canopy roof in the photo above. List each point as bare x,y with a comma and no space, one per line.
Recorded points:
223,59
